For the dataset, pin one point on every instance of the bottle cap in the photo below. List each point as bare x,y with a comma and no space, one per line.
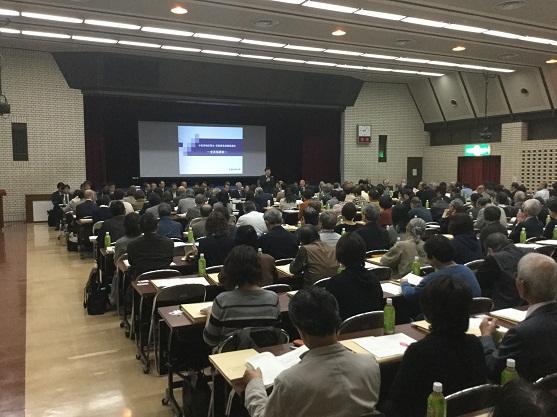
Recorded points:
416,258
107,233
202,256
437,387
511,363
389,301
259,250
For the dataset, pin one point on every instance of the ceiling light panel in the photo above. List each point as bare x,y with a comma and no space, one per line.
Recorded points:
379,56
10,30
464,28
217,37
180,48
341,52
109,24
293,61
261,57
93,39
223,53
321,63
304,48
45,34
142,44
414,60
165,31
502,34
424,22
379,15
263,43
54,18
8,12
330,7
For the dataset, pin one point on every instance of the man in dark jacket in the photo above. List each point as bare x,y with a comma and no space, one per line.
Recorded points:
262,199
88,207
527,220
374,236
400,211
416,210
497,274
114,226
492,225
278,242
267,182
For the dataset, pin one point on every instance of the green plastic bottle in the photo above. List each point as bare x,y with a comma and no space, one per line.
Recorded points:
436,403
427,204
202,265
190,235
555,233
389,317
547,219
509,373
523,236
416,266
107,240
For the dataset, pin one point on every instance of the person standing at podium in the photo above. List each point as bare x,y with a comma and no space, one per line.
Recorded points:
267,182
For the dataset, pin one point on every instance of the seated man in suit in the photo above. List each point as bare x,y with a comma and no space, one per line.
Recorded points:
239,192
119,196
352,380
114,226
550,227
198,227
417,210
187,202
252,218
532,342
527,219
277,242
88,207
168,227
483,203
195,212
262,199
374,236
150,251
497,274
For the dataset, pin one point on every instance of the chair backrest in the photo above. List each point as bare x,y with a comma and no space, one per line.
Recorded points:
213,269
97,226
179,294
545,250
376,252
321,283
481,305
548,382
428,269
159,273
278,288
432,224
534,239
474,265
120,261
284,261
364,321
383,273
253,337
472,399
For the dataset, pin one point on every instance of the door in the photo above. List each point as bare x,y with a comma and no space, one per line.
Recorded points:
477,170
414,171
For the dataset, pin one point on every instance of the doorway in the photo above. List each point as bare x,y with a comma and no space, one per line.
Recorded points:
414,171
477,170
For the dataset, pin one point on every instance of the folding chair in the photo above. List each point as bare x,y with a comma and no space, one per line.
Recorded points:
284,261
548,382
383,273
96,227
424,270
475,265
481,305
377,252
472,399
321,283
363,321
278,288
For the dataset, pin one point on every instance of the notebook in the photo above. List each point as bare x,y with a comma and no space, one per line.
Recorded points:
391,288
385,347
172,282
193,311
510,314
413,279
285,269
271,366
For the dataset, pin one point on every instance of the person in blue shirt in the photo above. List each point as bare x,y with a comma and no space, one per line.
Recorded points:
168,227
441,255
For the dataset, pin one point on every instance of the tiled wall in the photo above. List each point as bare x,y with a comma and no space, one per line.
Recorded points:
40,97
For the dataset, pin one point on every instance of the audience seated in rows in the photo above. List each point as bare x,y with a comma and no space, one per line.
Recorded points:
465,243
315,259
532,342
356,289
132,231
327,223
374,236
87,207
103,210
330,380
195,212
550,227
385,211
246,304
263,199
186,203
277,242
119,196
447,354
491,225
152,206
417,210
402,255
198,227
483,203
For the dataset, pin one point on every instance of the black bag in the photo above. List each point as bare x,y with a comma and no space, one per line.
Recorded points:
52,219
95,295
196,395
72,243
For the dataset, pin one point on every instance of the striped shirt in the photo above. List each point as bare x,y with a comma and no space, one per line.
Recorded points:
237,309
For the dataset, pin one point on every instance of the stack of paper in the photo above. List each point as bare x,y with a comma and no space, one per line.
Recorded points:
194,311
385,347
271,366
389,287
413,279
172,282
510,314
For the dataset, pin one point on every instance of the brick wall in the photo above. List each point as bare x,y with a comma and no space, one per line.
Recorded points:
40,97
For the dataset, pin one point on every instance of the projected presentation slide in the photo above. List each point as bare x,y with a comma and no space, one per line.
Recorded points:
211,149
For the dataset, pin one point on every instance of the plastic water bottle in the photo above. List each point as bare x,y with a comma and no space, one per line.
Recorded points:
509,373
555,233
389,317
107,240
471,215
299,224
416,266
202,265
259,250
190,235
547,219
436,403
427,204
523,235
268,203
343,231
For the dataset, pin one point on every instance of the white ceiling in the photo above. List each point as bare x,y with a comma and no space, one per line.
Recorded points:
295,24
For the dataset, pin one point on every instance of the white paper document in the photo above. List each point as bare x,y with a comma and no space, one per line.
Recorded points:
271,366
172,282
383,347
413,279
511,314
391,288
549,242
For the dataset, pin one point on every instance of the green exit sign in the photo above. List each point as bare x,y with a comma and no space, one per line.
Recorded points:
478,149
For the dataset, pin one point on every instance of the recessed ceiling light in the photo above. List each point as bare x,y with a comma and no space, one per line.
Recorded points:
511,4
443,63
166,31
329,6
378,56
93,39
551,61
321,64
217,37
179,10
180,48
424,22
464,28
304,48
143,44
8,12
338,32
263,43
380,15
54,18
340,52
459,48
109,24
45,34
499,70
474,67
10,30
294,61
212,52
262,57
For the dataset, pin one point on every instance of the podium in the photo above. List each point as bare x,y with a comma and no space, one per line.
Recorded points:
2,194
